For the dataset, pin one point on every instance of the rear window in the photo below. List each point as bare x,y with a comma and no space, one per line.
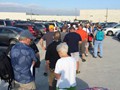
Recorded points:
23,27
1,23
17,29
8,23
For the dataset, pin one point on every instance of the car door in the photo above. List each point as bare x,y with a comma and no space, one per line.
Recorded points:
116,28
2,35
6,35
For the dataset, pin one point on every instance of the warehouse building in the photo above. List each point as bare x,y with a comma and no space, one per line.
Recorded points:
93,15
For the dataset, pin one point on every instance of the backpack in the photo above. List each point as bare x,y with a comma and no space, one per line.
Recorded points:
6,70
99,35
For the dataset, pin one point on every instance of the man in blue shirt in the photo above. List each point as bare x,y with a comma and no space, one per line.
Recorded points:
23,58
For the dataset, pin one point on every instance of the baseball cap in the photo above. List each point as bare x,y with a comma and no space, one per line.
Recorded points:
51,27
27,34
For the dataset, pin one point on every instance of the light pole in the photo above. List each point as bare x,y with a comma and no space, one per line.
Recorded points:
106,14
75,13
31,14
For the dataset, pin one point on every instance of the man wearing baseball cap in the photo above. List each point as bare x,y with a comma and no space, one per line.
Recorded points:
22,58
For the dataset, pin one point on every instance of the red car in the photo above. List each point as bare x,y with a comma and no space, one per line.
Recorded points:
31,28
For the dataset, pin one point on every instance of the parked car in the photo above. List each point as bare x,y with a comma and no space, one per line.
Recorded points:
9,35
41,27
31,28
111,31
6,22
118,36
55,24
110,24
116,33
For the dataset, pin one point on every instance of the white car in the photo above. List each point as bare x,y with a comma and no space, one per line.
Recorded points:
111,31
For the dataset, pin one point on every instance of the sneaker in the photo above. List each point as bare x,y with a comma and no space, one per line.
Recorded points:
100,56
83,60
77,71
45,74
94,56
86,54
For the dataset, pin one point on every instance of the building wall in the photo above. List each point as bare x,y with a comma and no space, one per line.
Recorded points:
13,15
91,14
101,15
48,18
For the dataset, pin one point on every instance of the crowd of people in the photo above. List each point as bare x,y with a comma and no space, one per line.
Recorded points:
65,50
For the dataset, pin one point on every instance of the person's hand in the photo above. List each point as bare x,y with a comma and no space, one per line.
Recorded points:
43,48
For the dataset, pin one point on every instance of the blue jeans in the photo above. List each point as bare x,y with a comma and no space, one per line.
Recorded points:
98,45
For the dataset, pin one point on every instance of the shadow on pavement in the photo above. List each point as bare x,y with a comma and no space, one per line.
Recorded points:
115,38
81,84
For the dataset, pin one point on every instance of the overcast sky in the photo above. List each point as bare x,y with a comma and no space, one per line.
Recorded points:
56,7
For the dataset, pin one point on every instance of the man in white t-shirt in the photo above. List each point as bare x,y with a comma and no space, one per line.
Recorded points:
65,70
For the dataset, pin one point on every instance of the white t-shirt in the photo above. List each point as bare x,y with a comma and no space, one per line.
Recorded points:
87,30
66,67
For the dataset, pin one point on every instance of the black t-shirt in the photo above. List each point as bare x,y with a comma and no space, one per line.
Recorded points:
72,39
52,54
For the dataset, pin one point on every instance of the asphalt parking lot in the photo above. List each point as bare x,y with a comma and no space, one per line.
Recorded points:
95,72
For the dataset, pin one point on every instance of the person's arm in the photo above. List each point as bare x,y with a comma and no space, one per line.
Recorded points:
57,76
47,65
57,71
104,35
94,35
42,44
80,42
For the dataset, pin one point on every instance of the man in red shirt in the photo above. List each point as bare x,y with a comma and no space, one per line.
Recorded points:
84,37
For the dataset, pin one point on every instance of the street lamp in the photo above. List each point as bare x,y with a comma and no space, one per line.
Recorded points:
75,13
106,14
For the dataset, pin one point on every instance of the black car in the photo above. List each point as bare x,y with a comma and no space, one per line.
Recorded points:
41,27
9,35
6,22
118,36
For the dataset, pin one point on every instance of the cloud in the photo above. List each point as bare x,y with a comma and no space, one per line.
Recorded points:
34,8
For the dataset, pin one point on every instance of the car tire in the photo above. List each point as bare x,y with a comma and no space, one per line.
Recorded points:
109,33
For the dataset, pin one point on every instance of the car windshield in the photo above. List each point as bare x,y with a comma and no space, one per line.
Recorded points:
59,24
17,29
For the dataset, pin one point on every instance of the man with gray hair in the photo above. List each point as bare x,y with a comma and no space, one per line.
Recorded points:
23,58
65,69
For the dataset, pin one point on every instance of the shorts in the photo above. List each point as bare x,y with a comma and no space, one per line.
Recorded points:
28,86
87,45
51,77
82,47
75,55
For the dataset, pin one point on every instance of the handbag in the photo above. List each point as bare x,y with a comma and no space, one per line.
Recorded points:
90,38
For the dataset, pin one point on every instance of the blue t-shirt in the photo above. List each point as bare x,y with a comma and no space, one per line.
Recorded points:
21,59
72,39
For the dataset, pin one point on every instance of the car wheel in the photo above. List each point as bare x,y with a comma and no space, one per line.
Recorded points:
13,41
109,33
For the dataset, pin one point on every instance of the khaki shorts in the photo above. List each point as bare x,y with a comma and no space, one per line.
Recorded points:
51,77
28,86
75,55
82,47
